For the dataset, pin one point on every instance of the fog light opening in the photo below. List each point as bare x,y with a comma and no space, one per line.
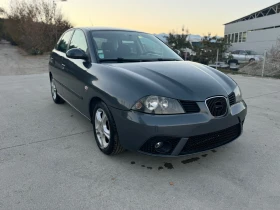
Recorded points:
163,147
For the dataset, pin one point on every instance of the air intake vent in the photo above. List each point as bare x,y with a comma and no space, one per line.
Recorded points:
211,140
190,107
231,98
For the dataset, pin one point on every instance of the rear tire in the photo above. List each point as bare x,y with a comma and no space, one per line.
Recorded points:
105,130
56,98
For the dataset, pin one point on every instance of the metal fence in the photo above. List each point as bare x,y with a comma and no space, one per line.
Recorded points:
268,66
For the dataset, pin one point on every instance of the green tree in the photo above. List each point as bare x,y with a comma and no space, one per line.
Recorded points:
210,45
178,41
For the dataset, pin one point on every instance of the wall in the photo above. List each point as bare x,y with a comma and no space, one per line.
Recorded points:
263,22
258,41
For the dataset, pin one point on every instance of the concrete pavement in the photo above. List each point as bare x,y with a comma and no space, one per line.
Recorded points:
49,158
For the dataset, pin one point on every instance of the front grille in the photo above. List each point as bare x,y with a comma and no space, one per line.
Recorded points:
231,98
211,140
217,106
149,146
190,106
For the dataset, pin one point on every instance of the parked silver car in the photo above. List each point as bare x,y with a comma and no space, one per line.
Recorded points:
244,56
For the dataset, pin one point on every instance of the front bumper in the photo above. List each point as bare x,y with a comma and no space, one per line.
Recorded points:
201,131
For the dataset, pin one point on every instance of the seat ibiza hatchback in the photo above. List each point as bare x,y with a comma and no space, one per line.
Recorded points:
141,96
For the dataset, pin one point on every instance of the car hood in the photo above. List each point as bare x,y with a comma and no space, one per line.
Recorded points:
178,79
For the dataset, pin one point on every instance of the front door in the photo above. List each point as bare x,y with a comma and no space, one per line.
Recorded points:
56,62
77,73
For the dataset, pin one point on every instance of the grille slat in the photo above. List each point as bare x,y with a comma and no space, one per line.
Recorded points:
232,98
217,106
211,140
190,107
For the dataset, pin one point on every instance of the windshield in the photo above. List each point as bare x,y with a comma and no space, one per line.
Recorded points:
122,46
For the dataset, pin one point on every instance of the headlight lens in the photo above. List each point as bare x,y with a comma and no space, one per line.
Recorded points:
158,105
238,94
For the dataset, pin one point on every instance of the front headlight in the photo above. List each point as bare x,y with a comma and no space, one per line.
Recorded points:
158,105
238,94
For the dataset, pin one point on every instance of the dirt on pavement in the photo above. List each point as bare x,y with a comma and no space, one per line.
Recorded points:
14,61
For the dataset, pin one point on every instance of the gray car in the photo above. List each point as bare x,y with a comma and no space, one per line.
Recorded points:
244,56
139,94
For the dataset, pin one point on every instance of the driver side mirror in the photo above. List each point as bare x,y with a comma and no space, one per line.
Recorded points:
76,53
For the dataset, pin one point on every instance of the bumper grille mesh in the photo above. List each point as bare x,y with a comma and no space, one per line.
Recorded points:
211,140
217,106
190,107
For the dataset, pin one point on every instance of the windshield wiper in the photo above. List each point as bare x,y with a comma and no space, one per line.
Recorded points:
125,60
120,60
167,59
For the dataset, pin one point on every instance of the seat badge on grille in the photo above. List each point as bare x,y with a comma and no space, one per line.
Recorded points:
218,105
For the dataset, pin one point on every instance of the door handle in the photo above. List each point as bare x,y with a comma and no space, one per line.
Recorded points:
63,66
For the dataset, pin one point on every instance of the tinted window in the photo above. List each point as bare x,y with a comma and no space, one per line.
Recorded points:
242,52
249,52
235,52
63,42
79,41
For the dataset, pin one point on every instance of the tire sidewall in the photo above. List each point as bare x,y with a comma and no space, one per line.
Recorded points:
113,132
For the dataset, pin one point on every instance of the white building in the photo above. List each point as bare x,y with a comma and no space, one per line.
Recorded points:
257,31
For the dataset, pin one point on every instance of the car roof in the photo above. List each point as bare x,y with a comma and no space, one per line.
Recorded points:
105,29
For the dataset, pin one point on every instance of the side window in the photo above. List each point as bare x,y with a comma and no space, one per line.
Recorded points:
79,41
63,42
242,52
235,52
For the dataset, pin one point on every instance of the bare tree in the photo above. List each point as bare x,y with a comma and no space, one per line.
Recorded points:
35,25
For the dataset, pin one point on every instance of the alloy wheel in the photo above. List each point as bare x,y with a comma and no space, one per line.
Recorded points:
53,90
102,128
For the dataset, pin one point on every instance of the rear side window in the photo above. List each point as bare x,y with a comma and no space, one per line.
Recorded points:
63,42
79,41
235,52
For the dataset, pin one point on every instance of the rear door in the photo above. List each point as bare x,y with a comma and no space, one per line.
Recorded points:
77,73
235,55
56,61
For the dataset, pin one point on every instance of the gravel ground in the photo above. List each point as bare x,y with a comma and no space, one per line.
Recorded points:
49,159
14,61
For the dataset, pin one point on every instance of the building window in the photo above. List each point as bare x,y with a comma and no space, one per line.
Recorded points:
244,37
232,38
226,38
236,37
240,37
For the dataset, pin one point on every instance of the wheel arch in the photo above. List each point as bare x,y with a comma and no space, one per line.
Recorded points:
92,104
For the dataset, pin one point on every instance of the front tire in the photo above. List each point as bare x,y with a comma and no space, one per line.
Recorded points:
105,130
56,98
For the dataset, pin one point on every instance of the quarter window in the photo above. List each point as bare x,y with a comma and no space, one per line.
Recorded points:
79,41
64,41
